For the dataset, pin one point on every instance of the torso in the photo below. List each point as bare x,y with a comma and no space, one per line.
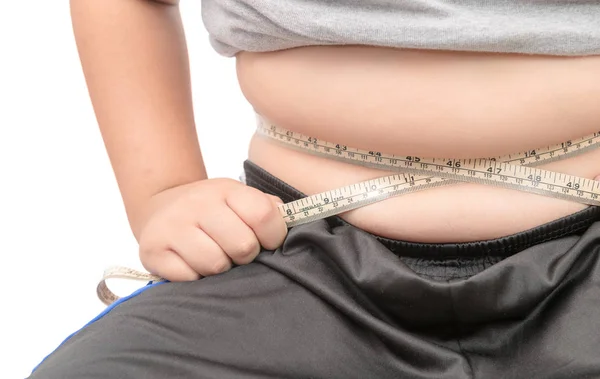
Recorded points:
431,104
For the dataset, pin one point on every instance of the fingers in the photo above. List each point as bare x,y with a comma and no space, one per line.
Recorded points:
201,230
189,254
168,264
277,201
229,232
201,252
259,212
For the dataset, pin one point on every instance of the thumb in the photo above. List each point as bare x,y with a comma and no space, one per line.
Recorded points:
276,200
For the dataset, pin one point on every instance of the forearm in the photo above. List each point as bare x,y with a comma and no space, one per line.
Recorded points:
135,63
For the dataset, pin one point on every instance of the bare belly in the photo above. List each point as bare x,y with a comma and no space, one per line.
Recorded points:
433,104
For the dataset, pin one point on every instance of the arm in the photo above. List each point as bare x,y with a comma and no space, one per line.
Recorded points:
135,62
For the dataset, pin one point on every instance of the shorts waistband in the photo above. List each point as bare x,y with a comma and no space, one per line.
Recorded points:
576,223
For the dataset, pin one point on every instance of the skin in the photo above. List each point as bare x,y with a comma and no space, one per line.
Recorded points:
445,104
135,63
429,104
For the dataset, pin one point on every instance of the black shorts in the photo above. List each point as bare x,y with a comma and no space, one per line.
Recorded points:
335,302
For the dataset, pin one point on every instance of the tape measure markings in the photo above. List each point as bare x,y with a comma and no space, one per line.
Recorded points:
494,171
334,202
391,161
431,172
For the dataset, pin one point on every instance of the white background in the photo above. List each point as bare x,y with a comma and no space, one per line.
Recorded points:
61,217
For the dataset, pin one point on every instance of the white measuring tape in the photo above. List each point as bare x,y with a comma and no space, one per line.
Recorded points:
514,171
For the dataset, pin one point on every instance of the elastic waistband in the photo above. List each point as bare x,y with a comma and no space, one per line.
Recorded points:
576,223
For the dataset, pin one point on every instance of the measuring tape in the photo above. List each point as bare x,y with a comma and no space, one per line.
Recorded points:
514,171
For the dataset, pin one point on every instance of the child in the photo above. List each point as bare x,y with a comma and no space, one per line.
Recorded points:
457,281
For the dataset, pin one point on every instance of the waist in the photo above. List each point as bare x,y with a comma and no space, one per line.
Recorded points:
490,251
434,104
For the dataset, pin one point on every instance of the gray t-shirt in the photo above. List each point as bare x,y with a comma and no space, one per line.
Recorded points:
555,27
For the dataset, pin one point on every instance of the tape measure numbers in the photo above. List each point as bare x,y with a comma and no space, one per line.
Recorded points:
514,171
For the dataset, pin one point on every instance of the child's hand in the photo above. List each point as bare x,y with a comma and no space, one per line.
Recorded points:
200,228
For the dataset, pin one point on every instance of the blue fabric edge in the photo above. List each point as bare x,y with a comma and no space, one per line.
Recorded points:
102,314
